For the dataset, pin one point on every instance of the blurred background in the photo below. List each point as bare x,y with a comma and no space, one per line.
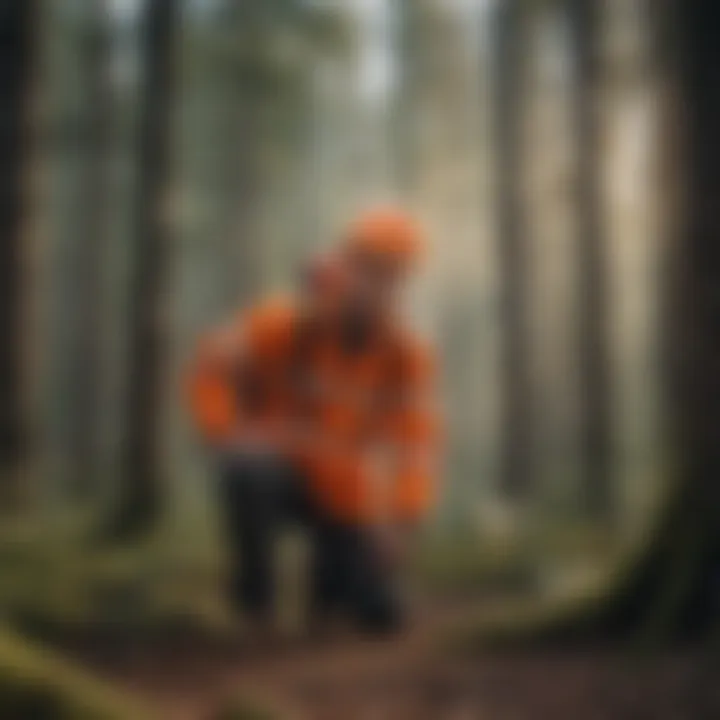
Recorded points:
164,161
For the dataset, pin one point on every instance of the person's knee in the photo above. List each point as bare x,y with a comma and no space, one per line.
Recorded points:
372,595
380,612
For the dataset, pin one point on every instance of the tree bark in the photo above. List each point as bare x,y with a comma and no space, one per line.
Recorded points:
517,395
88,267
141,495
674,591
698,331
16,66
593,350
671,592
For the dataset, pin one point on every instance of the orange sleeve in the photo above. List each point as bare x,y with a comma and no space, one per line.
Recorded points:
260,335
416,432
210,385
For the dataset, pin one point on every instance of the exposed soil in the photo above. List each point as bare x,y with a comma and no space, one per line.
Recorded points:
412,678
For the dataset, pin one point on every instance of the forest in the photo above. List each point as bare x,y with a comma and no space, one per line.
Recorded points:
165,163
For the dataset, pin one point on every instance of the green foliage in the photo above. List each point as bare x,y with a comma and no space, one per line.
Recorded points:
520,563
56,589
39,685
461,564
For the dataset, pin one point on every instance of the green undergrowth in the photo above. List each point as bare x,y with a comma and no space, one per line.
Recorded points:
58,588
39,685
523,564
590,614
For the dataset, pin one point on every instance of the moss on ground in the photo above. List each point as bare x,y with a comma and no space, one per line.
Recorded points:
37,684
57,589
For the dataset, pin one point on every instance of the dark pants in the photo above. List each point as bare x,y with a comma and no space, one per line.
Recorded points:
260,497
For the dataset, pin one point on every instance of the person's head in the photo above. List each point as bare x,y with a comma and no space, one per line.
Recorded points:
380,249
324,285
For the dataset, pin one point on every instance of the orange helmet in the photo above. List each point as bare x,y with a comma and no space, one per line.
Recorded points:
388,235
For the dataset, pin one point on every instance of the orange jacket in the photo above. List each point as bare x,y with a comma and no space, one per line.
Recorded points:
363,426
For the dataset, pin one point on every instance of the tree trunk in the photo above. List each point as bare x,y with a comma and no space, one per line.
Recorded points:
517,396
698,330
672,590
141,495
86,360
246,252
675,589
245,150
595,419
16,64
404,110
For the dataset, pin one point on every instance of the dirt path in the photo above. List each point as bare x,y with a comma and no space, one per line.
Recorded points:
409,678
296,677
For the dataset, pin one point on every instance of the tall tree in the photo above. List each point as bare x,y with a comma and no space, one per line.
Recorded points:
404,115
694,517
141,494
595,419
17,24
86,351
672,589
517,394
252,25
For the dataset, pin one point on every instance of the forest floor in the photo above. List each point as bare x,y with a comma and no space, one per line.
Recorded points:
153,626
413,677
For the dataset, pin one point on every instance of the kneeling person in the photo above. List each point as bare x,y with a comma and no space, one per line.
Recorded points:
322,412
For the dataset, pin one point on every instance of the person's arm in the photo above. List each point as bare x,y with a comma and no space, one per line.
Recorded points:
416,436
231,377
211,386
